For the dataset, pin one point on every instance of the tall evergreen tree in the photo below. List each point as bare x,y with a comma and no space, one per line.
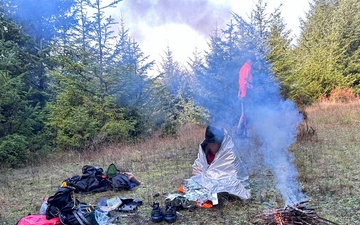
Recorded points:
196,70
172,87
347,28
21,117
131,80
103,77
280,54
171,74
130,83
35,24
213,82
82,105
42,21
318,53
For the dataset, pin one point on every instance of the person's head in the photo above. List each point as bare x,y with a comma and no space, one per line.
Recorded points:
213,139
212,147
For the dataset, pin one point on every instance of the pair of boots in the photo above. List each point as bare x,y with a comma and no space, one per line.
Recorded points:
158,215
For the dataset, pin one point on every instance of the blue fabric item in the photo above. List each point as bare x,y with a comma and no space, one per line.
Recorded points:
102,202
132,185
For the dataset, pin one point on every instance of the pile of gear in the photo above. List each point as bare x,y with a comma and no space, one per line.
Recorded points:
94,179
64,208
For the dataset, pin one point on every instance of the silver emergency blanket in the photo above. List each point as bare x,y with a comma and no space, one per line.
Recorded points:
195,192
225,173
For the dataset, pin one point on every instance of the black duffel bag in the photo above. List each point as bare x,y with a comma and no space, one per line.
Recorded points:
91,180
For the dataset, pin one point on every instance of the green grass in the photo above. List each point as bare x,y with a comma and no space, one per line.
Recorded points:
328,163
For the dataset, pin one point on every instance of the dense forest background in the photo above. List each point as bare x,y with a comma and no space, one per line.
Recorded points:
68,81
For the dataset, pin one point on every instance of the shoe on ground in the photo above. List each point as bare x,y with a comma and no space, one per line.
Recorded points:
170,215
157,214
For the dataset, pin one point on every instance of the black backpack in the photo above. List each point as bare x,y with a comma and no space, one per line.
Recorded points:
120,182
63,198
82,214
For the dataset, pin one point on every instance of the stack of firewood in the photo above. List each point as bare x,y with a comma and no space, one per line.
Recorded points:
290,215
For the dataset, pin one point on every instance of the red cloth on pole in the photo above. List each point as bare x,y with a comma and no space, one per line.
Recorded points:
245,79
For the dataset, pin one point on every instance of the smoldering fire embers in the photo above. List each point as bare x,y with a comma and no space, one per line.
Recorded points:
292,215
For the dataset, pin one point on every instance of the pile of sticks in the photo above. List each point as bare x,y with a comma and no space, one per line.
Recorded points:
290,215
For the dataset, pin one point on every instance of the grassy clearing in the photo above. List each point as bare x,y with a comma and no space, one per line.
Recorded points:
328,165
327,161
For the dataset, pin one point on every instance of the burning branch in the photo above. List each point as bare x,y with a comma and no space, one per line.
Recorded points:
290,215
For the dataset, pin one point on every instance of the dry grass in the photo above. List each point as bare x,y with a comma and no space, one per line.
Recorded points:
327,161
328,165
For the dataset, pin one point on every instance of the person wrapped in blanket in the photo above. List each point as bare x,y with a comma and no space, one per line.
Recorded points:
218,167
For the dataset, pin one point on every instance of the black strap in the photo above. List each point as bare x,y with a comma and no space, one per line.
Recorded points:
78,218
83,217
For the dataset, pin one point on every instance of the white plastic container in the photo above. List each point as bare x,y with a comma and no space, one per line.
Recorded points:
44,206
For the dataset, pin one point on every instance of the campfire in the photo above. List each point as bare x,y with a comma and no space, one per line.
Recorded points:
292,215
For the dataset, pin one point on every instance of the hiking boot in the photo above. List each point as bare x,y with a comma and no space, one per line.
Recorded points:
170,214
157,214
225,196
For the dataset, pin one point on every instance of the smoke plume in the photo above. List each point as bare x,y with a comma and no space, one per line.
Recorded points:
200,15
275,126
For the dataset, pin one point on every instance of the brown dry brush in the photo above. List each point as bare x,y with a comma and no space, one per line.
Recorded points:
298,214
305,131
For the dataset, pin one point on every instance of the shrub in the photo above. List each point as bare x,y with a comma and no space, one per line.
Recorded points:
13,150
342,95
339,95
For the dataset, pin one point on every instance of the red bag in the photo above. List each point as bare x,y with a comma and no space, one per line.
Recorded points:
38,220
